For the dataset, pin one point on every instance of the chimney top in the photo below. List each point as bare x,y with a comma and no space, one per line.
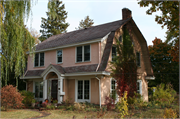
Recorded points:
126,13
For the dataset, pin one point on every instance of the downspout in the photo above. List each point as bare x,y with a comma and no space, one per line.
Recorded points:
99,91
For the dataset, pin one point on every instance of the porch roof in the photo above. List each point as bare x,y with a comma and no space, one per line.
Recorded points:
63,70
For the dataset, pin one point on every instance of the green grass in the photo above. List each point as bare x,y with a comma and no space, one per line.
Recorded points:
14,113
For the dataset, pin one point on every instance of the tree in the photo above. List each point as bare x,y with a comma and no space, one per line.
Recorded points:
124,68
35,34
169,16
164,68
87,22
55,23
14,37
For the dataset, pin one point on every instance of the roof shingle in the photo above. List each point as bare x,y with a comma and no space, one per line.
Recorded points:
78,36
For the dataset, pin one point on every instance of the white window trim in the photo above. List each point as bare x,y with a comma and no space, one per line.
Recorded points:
82,54
57,57
140,86
117,97
39,59
39,99
76,91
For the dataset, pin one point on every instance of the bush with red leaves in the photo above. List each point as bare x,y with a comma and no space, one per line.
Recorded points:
10,97
110,103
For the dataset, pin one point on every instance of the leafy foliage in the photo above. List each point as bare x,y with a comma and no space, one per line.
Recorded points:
124,68
15,38
164,68
10,97
55,22
122,106
28,97
164,95
169,10
110,103
169,113
175,52
87,22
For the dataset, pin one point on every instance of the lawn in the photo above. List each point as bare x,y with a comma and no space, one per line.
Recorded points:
151,113
61,113
16,113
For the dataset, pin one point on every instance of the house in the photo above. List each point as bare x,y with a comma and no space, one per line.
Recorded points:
75,65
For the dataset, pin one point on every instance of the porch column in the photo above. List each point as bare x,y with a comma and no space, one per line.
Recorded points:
44,88
60,89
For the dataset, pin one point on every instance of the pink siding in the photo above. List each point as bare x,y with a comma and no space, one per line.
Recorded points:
68,58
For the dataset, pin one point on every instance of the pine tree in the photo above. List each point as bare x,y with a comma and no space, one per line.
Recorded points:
124,69
87,22
55,23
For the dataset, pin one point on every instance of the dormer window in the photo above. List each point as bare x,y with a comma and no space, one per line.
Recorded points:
113,53
39,59
83,53
59,56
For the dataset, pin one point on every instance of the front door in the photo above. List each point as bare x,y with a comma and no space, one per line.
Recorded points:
54,89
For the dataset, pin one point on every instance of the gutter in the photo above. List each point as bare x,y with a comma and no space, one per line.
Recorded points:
99,90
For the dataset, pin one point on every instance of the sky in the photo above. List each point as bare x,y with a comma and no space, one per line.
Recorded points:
101,11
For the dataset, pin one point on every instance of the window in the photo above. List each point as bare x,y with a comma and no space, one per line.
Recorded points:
113,53
138,84
59,56
138,59
114,94
83,53
83,89
39,59
113,87
38,90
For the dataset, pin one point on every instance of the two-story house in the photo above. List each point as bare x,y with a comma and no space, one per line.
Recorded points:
75,65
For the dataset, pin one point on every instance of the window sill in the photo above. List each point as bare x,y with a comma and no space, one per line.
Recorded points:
59,62
83,62
39,66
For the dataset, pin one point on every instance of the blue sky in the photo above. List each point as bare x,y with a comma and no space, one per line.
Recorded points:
101,11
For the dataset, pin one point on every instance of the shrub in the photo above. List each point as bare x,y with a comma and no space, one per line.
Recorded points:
164,95
137,102
28,97
44,104
122,106
169,113
10,97
110,103
80,106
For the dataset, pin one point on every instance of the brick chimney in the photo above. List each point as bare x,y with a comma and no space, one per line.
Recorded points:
126,13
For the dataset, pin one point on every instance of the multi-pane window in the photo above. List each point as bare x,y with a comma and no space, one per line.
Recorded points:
38,89
113,53
83,89
138,84
59,56
138,59
83,53
113,87
39,59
